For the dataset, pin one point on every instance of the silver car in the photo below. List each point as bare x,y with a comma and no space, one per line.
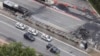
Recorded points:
21,26
46,37
32,31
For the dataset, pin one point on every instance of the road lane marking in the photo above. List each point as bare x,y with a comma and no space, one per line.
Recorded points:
65,13
20,31
54,38
42,40
8,17
67,52
60,48
72,46
60,11
11,26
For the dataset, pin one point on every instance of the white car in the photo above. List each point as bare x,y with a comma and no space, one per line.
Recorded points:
46,37
32,31
21,26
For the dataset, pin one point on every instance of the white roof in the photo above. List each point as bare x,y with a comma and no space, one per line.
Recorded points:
10,3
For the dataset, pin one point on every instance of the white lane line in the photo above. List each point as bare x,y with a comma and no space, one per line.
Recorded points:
60,48
72,46
41,40
67,52
11,26
54,38
66,14
61,12
8,17
7,24
19,30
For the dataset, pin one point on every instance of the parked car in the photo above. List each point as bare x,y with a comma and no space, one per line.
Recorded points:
46,37
53,49
32,31
21,26
29,36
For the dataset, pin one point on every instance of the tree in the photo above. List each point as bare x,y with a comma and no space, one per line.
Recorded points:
16,49
96,4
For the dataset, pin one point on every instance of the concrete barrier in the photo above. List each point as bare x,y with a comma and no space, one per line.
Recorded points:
1,5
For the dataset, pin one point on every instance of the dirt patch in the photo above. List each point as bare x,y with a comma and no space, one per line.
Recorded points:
94,53
2,42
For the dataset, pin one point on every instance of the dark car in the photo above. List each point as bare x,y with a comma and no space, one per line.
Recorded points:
49,46
29,36
55,50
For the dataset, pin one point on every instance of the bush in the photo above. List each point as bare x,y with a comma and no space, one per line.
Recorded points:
16,49
96,4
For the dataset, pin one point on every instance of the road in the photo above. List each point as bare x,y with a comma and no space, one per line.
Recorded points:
78,3
94,23
12,32
63,21
8,29
67,22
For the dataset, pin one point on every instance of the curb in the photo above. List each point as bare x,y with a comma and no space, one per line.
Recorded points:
97,50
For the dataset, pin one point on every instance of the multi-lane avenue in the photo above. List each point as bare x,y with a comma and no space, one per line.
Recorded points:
78,3
8,29
51,17
43,13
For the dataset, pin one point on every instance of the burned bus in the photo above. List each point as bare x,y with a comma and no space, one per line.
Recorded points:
14,7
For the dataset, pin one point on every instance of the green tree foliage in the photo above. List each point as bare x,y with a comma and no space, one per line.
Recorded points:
16,49
96,4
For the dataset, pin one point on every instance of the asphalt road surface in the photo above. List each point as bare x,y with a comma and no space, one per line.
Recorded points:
64,21
9,30
79,3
